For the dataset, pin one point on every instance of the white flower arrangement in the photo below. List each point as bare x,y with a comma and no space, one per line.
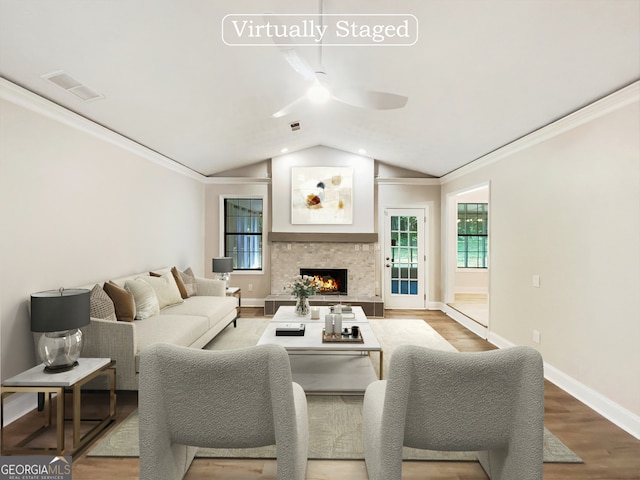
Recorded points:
303,286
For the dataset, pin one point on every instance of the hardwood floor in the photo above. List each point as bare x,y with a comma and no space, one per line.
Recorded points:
608,452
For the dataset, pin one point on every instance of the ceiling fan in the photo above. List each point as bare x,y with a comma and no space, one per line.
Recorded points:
323,90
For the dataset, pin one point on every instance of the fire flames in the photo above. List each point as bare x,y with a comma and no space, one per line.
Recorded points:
328,284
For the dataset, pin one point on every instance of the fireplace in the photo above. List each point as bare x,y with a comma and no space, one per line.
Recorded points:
334,280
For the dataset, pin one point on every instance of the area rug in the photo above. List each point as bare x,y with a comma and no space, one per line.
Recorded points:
335,422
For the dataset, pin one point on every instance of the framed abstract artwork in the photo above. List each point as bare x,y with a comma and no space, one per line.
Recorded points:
322,195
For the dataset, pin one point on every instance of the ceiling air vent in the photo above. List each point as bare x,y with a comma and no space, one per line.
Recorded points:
295,126
73,86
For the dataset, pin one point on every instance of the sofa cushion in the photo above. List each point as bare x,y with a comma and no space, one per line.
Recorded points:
176,276
165,288
215,308
101,305
122,301
144,297
189,281
174,329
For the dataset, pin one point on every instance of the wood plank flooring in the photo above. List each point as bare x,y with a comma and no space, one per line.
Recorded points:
609,453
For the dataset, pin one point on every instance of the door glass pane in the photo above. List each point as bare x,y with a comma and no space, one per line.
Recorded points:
404,252
413,271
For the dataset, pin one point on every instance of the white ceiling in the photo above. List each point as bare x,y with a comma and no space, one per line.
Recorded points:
483,73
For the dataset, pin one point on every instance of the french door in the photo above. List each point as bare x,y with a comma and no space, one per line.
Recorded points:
404,258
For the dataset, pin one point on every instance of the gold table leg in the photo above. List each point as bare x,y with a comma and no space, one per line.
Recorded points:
78,440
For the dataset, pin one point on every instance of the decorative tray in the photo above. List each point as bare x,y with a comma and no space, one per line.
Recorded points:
339,338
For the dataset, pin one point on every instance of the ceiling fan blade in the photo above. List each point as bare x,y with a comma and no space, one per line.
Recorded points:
369,99
289,108
298,63
291,55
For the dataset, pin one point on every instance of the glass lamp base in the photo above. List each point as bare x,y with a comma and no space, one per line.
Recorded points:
60,368
225,277
60,350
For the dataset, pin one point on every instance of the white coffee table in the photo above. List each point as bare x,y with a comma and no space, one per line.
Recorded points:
326,368
287,314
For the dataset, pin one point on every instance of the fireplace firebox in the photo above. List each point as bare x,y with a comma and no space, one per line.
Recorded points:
334,280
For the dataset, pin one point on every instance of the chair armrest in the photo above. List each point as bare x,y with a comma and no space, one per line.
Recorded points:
211,287
106,338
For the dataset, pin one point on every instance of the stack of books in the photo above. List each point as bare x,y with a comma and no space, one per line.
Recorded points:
290,330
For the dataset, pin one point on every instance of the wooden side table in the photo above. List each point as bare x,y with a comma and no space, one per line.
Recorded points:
36,380
235,292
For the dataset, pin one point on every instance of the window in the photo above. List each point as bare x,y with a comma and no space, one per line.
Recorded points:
473,229
243,232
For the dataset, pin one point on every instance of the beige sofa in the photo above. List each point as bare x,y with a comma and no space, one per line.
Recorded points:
193,322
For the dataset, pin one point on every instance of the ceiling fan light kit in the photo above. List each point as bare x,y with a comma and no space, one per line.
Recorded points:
318,94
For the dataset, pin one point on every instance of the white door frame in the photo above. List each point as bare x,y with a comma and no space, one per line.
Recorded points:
451,257
423,275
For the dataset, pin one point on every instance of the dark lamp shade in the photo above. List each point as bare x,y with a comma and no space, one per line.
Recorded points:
60,310
222,265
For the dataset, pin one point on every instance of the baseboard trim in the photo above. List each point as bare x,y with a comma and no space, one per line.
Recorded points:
616,414
253,302
465,321
18,405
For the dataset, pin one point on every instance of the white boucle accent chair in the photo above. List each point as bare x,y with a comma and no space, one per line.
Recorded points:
491,402
242,398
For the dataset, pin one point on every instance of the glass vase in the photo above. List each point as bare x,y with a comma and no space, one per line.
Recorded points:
302,306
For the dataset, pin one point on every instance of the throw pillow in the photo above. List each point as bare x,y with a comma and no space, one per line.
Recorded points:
101,305
165,288
144,297
189,280
123,301
176,276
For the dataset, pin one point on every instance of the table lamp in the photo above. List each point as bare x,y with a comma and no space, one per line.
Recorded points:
223,266
59,314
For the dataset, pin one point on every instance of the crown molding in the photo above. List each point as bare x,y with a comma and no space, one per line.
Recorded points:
408,181
13,93
237,180
619,99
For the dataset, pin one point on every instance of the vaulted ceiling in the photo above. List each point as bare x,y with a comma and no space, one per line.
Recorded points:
481,74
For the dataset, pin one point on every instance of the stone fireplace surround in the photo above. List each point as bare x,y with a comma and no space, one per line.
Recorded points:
287,257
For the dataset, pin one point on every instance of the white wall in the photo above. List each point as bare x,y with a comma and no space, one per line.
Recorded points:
567,208
390,190
363,189
75,209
